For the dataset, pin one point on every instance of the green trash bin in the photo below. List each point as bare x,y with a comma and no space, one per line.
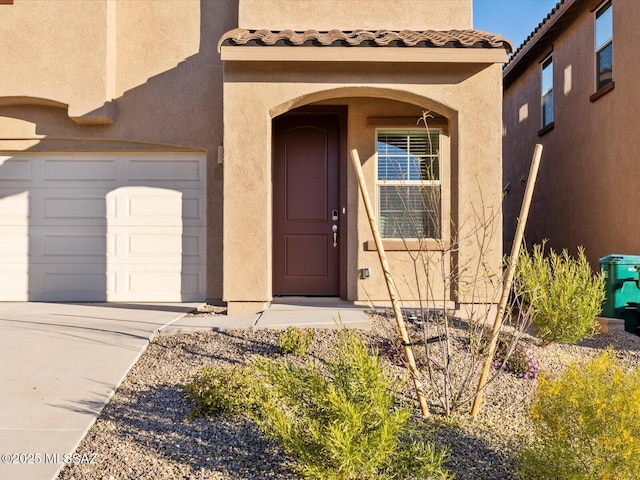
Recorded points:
621,286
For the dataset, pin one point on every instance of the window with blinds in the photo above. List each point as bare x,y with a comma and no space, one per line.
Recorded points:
409,183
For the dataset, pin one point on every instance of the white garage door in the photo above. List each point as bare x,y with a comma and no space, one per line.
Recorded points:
102,227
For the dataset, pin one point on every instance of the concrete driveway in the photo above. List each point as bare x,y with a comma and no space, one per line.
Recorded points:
59,366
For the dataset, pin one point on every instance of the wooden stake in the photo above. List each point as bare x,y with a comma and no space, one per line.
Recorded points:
413,369
511,268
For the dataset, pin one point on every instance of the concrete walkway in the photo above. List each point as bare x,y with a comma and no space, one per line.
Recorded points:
61,363
304,312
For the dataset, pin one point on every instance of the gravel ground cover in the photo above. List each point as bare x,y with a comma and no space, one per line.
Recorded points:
142,432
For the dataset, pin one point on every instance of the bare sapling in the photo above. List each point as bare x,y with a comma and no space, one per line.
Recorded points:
456,279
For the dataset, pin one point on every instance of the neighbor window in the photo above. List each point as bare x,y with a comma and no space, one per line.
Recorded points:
604,45
408,183
547,91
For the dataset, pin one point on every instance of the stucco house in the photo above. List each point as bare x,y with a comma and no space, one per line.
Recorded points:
184,150
572,86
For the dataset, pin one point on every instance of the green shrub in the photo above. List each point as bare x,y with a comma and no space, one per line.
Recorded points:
347,426
564,295
295,340
221,390
586,424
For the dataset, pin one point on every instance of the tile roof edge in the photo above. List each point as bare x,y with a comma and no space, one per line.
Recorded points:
552,18
439,38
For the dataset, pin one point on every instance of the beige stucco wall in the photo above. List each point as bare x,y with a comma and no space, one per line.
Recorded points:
585,194
356,14
155,61
139,75
55,41
256,92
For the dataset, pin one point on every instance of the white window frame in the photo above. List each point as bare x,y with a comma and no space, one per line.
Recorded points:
547,94
411,183
603,44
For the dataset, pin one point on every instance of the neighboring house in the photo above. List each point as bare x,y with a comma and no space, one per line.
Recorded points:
573,87
180,150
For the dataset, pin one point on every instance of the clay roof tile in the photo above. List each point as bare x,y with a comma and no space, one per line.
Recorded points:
357,38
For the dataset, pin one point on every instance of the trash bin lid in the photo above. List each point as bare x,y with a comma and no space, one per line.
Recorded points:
621,259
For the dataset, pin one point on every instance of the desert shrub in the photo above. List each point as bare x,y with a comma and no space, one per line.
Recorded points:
346,426
511,353
563,293
295,341
221,390
517,360
586,423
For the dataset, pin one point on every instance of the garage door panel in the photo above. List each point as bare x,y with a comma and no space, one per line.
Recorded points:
154,206
77,207
94,282
147,247
75,171
147,206
123,206
160,246
194,246
81,287
91,227
70,282
120,245
14,170
162,283
178,170
79,170
165,170
70,207
193,210
14,246
77,248
73,245
14,207
14,278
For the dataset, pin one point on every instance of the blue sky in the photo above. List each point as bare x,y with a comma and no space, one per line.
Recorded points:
514,19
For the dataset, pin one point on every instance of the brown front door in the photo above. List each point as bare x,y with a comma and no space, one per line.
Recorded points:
306,195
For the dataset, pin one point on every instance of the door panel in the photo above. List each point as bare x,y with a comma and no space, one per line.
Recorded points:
306,191
299,262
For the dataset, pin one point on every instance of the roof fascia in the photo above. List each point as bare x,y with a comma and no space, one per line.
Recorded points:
363,54
541,40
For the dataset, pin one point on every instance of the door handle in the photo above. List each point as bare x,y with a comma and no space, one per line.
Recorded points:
335,235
